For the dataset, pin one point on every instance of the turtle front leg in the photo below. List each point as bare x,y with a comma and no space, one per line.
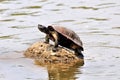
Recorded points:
55,46
47,39
55,36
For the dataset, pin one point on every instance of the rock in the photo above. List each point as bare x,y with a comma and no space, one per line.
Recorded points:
43,54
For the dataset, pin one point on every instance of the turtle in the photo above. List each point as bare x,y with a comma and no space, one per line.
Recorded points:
64,37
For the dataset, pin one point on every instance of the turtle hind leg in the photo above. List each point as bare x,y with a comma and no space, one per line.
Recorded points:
79,54
46,39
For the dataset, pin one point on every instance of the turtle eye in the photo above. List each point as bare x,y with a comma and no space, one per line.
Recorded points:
50,28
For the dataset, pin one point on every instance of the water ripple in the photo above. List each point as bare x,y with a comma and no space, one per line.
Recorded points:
21,27
104,4
23,13
6,20
98,19
115,27
33,7
55,10
85,7
63,21
117,47
117,14
7,37
2,10
60,4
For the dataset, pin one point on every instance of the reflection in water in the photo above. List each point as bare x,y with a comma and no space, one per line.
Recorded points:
63,72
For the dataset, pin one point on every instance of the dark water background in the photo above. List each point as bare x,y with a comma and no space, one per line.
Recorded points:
97,22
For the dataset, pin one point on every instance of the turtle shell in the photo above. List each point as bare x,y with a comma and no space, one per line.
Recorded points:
69,34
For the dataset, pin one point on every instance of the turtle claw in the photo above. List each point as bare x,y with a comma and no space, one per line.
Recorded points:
54,49
46,42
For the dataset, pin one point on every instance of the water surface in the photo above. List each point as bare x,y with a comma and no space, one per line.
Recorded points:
96,22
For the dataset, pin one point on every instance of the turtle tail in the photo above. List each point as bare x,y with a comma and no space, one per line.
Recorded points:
79,53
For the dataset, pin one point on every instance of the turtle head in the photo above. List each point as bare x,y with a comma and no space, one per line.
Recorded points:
42,28
50,28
